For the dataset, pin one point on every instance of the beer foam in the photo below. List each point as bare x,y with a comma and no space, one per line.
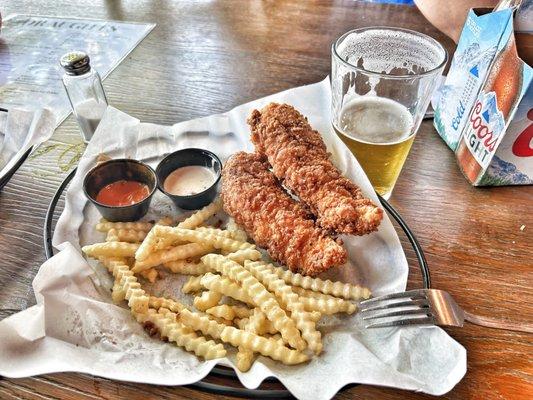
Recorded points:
388,51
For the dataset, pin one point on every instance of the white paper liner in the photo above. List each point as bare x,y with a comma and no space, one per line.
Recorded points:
74,327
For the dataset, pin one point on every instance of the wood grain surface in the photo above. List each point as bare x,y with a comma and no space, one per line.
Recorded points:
209,56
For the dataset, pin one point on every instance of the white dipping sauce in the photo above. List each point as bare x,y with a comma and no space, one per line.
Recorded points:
186,181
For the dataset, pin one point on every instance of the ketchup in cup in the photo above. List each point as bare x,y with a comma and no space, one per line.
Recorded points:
122,193
121,189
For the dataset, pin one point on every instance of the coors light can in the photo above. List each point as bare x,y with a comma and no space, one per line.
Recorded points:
491,112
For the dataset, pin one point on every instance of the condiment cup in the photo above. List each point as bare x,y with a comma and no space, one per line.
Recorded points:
187,157
115,170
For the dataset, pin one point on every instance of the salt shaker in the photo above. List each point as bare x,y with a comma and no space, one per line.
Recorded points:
85,91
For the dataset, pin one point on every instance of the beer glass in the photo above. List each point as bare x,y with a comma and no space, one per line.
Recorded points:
382,80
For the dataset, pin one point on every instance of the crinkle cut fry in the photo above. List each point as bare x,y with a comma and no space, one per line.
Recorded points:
263,325
333,303
245,357
108,262
204,238
154,241
105,226
110,249
300,159
125,235
147,246
221,311
225,286
162,302
128,287
241,256
117,292
289,301
274,220
201,215
208,299
228,312
327,306
174,253
192,285
221,232
186,267
237,337
265,300
166,323
337,289
241,311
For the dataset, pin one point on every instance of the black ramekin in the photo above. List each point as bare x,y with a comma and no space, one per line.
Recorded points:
183,158
115,170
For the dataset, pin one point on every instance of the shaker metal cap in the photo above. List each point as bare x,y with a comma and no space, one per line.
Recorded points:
75,62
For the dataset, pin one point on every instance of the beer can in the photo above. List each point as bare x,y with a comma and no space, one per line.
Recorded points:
491,129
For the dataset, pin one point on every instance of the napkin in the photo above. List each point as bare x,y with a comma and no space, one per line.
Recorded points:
21,129
75,327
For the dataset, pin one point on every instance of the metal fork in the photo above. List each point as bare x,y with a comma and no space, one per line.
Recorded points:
426,307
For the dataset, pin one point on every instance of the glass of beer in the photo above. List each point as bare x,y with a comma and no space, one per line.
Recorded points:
381,81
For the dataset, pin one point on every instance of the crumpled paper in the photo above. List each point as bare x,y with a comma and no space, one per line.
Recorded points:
21,129
74,326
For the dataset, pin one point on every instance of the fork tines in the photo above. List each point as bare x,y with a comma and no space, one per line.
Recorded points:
405,304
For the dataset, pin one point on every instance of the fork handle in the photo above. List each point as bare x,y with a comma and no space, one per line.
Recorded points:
498,323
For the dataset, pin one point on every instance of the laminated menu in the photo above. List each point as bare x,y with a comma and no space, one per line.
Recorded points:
31,91
30,74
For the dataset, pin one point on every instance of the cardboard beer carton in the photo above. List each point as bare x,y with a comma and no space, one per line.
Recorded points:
484,109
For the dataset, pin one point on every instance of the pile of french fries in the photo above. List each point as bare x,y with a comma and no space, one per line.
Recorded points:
239,298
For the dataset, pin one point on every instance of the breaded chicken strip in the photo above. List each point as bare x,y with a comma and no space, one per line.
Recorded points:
300,160
255,199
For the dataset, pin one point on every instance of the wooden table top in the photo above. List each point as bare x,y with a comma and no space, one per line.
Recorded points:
207,57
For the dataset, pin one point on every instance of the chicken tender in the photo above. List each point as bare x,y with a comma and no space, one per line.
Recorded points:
299,158
255,199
